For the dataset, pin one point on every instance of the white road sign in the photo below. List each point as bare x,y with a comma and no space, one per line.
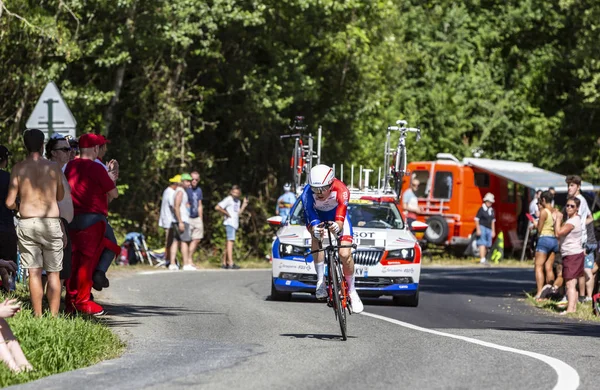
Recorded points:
51,114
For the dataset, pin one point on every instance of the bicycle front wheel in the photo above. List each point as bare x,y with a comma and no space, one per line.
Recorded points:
336,278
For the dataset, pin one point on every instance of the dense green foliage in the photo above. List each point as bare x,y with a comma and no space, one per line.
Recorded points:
209,85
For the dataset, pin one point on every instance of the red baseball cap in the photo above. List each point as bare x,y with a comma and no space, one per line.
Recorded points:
90,140
103,139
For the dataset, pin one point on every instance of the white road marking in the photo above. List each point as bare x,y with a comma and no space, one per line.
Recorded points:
568,378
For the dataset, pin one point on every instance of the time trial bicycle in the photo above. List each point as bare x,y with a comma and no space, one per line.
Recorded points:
338,296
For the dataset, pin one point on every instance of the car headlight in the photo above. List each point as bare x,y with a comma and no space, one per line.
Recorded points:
407,254
292,250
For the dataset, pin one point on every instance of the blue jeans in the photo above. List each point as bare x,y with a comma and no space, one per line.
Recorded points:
84,221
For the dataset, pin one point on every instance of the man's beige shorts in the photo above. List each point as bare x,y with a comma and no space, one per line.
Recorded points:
196,228
40,243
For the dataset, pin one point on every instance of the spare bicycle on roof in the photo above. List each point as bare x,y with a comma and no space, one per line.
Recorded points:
398,170
303,152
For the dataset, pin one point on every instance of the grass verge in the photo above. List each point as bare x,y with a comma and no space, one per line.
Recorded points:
55,345
584,310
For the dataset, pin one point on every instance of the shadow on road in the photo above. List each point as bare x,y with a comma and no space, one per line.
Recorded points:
557,328
488,282
326,337
127,315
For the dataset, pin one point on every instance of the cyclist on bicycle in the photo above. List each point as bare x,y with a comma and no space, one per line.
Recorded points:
325,199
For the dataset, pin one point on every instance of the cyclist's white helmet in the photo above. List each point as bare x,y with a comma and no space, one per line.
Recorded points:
320,176
287,187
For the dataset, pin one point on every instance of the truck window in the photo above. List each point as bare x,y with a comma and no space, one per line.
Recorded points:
423,178
442,186
482,180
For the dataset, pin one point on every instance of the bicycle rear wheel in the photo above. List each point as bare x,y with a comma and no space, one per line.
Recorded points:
336,278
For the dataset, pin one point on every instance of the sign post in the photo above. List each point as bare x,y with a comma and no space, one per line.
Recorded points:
51,114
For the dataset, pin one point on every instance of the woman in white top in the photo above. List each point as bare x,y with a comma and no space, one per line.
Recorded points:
571,250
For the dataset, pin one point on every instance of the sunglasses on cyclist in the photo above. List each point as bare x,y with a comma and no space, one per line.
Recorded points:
66,150
320,190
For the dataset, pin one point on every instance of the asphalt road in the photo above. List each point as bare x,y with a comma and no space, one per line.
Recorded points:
219,330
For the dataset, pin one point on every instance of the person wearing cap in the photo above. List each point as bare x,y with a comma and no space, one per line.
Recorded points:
92,190
181,226
194,193
165,220
38,184
485,225
285,202
113,166
99,277
8,234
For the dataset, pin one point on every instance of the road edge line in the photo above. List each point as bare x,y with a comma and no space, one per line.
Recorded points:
568,378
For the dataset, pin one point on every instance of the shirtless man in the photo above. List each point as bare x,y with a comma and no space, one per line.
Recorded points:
38,184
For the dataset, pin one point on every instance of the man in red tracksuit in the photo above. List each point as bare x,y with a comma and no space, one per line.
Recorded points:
91,189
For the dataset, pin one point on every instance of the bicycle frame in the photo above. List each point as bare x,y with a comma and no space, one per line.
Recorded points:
399,167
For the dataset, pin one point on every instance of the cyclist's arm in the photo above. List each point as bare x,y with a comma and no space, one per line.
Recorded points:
312,217
343,194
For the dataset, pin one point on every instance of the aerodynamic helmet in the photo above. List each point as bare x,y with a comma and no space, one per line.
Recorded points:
320,176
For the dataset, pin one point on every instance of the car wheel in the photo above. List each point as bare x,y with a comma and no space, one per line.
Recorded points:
410,300
278,295
437,231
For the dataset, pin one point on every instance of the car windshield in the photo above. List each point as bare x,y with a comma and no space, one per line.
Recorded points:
363,213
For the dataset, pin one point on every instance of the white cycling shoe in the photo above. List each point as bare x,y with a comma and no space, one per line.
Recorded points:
356,303
321,292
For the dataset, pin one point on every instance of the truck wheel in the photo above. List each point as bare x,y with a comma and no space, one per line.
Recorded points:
278,295
437,232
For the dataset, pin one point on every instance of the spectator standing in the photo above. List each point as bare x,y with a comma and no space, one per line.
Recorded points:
74,148
92,189
58,150
571,250
285,202
231,207
485,224
8,234
181,226
107,257
533,205
552,191
586,219
38,184
166,215
547,245
588,240
410,202
194,194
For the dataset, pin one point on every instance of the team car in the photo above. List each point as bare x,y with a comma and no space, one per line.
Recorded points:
387,261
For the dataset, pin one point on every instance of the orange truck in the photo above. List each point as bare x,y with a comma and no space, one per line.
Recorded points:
451,191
